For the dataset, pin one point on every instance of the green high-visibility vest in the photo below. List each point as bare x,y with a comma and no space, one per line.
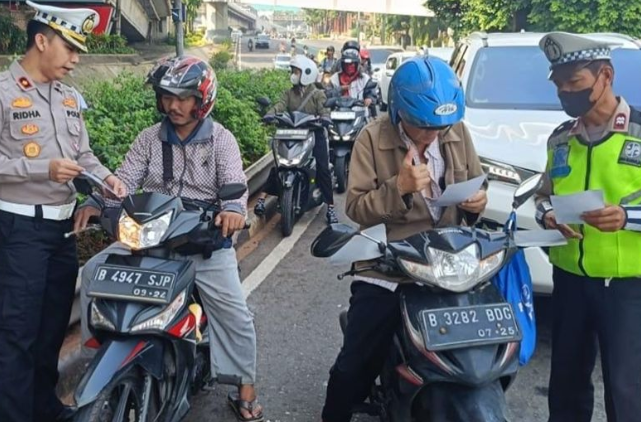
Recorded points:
613,165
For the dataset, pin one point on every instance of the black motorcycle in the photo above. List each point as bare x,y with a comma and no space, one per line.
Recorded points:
349,116
293,178
457,349
145,314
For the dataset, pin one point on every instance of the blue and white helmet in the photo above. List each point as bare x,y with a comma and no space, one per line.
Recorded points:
425,92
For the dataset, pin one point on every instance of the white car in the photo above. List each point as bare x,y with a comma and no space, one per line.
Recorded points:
281,61
511,110
392,63
378,55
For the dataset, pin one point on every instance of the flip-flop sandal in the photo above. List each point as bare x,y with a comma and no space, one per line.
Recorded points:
238,405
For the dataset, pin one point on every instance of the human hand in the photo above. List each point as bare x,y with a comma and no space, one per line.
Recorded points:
82,216
230,222
412,178
117,186
476,204
609,219
550,223
62,170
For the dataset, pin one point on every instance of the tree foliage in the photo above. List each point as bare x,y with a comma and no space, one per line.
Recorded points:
579,16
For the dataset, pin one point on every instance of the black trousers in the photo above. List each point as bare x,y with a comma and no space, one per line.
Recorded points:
323,175
587,316
374,316
38,269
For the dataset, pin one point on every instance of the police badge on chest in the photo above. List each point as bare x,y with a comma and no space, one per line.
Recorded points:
560,167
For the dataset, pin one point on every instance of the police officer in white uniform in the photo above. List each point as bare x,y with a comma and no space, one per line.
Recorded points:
43,146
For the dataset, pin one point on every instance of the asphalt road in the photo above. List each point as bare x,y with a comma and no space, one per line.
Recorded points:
296,311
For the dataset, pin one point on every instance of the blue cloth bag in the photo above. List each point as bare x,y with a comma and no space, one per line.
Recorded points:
515,283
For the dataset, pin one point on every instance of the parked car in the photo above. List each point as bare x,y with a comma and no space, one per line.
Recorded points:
281,61
444,53
512,108
262,41
378,56
392,63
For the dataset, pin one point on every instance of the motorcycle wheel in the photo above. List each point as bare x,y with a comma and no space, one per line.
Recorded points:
341,174
123,396
287,212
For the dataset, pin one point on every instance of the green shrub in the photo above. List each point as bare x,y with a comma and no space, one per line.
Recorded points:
249,85
13,40
195,39
119,110
108,44
227,44
244,123
220,60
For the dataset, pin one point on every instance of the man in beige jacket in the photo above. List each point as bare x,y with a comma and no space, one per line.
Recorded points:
400,165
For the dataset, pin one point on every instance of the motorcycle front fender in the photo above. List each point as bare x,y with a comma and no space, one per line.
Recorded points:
115,357
343,149
287,179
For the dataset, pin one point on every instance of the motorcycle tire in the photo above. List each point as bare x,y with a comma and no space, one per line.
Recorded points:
109,399
287,212
341,171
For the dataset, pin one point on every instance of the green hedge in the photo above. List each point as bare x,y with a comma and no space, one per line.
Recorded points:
122,107
108,44
13,40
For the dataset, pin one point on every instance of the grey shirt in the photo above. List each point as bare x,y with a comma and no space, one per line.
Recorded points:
39,122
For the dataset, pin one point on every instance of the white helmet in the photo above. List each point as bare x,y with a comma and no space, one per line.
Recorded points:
308,69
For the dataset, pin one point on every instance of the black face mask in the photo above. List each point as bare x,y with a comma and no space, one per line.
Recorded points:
578,103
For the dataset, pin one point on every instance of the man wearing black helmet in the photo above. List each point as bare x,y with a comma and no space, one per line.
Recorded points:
350,81
328,63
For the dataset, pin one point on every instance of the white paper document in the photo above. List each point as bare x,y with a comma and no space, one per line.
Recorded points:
460,192
96,180
568,208
540,238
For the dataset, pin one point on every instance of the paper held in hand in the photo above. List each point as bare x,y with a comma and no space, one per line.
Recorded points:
460,192
96,181
568,208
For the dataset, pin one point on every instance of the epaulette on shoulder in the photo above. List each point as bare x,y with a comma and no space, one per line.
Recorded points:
563,127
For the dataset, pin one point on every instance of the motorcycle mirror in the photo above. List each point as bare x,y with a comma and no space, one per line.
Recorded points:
332,239
263,101
526,189
376,69
370,85
231,191
83,186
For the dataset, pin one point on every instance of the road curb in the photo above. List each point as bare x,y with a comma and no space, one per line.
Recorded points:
72,362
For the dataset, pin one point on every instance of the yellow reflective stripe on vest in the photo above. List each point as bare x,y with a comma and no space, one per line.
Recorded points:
614,167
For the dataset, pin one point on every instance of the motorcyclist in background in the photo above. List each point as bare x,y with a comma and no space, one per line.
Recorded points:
350,81
305,96
366,68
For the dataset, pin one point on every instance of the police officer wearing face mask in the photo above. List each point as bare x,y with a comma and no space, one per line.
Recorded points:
597,284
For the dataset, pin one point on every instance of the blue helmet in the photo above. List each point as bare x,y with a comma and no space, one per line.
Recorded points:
425,91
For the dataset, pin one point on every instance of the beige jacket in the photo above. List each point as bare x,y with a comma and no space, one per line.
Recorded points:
373,197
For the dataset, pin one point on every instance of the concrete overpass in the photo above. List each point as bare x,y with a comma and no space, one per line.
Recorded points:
219,16
393,7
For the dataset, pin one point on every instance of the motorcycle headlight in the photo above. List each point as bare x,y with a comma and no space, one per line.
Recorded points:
456,272
297,154
98,320
147,235
160,321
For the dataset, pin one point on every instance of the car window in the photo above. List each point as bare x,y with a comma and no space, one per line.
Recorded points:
379,55
517,78
392,63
